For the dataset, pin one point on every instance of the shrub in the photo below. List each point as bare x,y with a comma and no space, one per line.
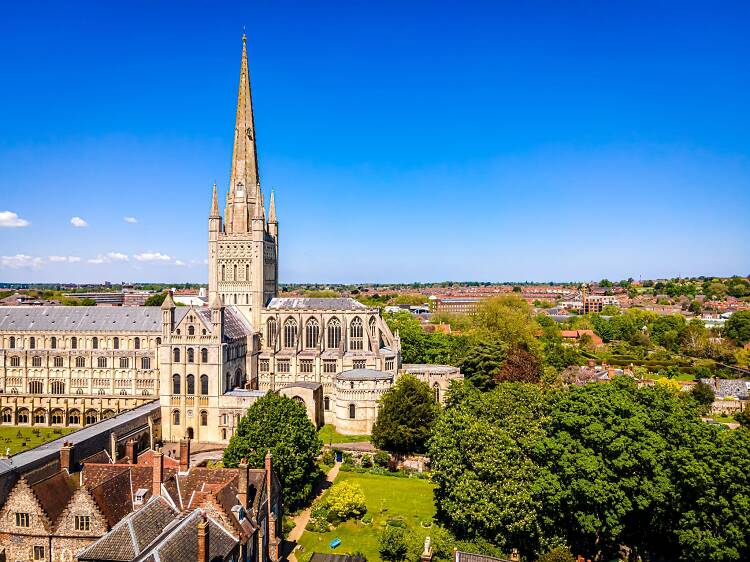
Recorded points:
382,459
367,519
392,544
348,458
345,500
328,457
559,554
366,461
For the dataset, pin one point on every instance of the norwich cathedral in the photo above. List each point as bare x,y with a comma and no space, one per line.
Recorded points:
74,366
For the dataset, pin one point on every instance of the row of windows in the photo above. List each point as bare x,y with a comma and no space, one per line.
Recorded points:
189,355
312,333
191,329
189,384
101,362
235,271
308,365
202,416
35,387
23,520
95,341
56,417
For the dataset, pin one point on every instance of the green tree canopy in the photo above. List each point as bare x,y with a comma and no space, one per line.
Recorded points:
738,327
156,299
406,414
279,424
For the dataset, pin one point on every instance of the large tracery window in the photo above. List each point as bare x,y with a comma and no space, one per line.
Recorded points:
356,334
290,333
334,334
312,333
271,331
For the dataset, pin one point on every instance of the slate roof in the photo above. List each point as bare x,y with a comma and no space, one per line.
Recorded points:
135,319
298,303
304,384
363,375
471,557
133,533
180,542
737,388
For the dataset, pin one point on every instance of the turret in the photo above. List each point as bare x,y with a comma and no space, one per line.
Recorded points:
167,315
217,315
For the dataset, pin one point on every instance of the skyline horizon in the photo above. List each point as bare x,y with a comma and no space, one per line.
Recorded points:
593,161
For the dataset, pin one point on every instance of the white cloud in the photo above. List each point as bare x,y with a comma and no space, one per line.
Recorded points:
20,261
64,259
78,222
130,220
152,256
9,219
109,257
179,262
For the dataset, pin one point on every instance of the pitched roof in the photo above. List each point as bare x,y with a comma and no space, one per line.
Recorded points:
471,557
299,303
138,319
54,493
133,533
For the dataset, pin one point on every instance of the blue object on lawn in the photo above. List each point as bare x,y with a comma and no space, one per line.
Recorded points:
339,456
335,542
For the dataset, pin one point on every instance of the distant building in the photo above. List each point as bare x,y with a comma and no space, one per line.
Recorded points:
454,305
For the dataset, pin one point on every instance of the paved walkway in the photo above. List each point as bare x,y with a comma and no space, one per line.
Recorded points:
301,520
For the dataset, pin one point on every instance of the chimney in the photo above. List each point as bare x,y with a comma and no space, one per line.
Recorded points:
202,555
158,472
273,544
184,454
242,484
130,450
113,447
66,457
268,481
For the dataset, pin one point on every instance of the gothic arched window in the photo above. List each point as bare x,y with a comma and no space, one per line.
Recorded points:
176,417
312,333
80,361
58,387
204,418
271,331
334,333
355,334
176,355
36,387
290,333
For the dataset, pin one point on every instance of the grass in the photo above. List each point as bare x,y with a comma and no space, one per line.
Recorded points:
329,435
20,439
408,499
722,419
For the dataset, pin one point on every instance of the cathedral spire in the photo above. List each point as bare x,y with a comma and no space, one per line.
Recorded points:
244,178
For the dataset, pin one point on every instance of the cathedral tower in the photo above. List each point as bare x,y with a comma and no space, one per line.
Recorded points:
242,248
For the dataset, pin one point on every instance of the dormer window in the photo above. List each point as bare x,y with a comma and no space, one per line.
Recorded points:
140,495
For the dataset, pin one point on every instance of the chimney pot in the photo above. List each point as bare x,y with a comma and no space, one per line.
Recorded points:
66,456
243,483
203,547
158,472
185,454
130,450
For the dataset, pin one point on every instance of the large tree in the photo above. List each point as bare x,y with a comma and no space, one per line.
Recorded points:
406,414
481,362
280,425
738,327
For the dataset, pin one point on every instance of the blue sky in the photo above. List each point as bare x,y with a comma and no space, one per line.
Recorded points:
406,141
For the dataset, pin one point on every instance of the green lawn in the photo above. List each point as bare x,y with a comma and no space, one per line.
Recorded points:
329,435
387,497
9,437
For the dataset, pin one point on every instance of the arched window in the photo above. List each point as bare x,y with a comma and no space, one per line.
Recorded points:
74,343
90,417
95,343
290,333
326,403
56,417
176,355
7,415
204,384
158,341
373,327
36,387
190,384
312,333
190,355
247,274
53,342
80,391
40,416
101,391
116,342
224,434
355,334
204,355
101,362
15,361
334,334
204,418
271,331
175,384
74,417
58,361
175,417
36,361
145,392
123,392
234,274
32,343
23,416
80,361
12,342
145,362
106,414
191,330
137,343
436,391
352,411
223,272
58,387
